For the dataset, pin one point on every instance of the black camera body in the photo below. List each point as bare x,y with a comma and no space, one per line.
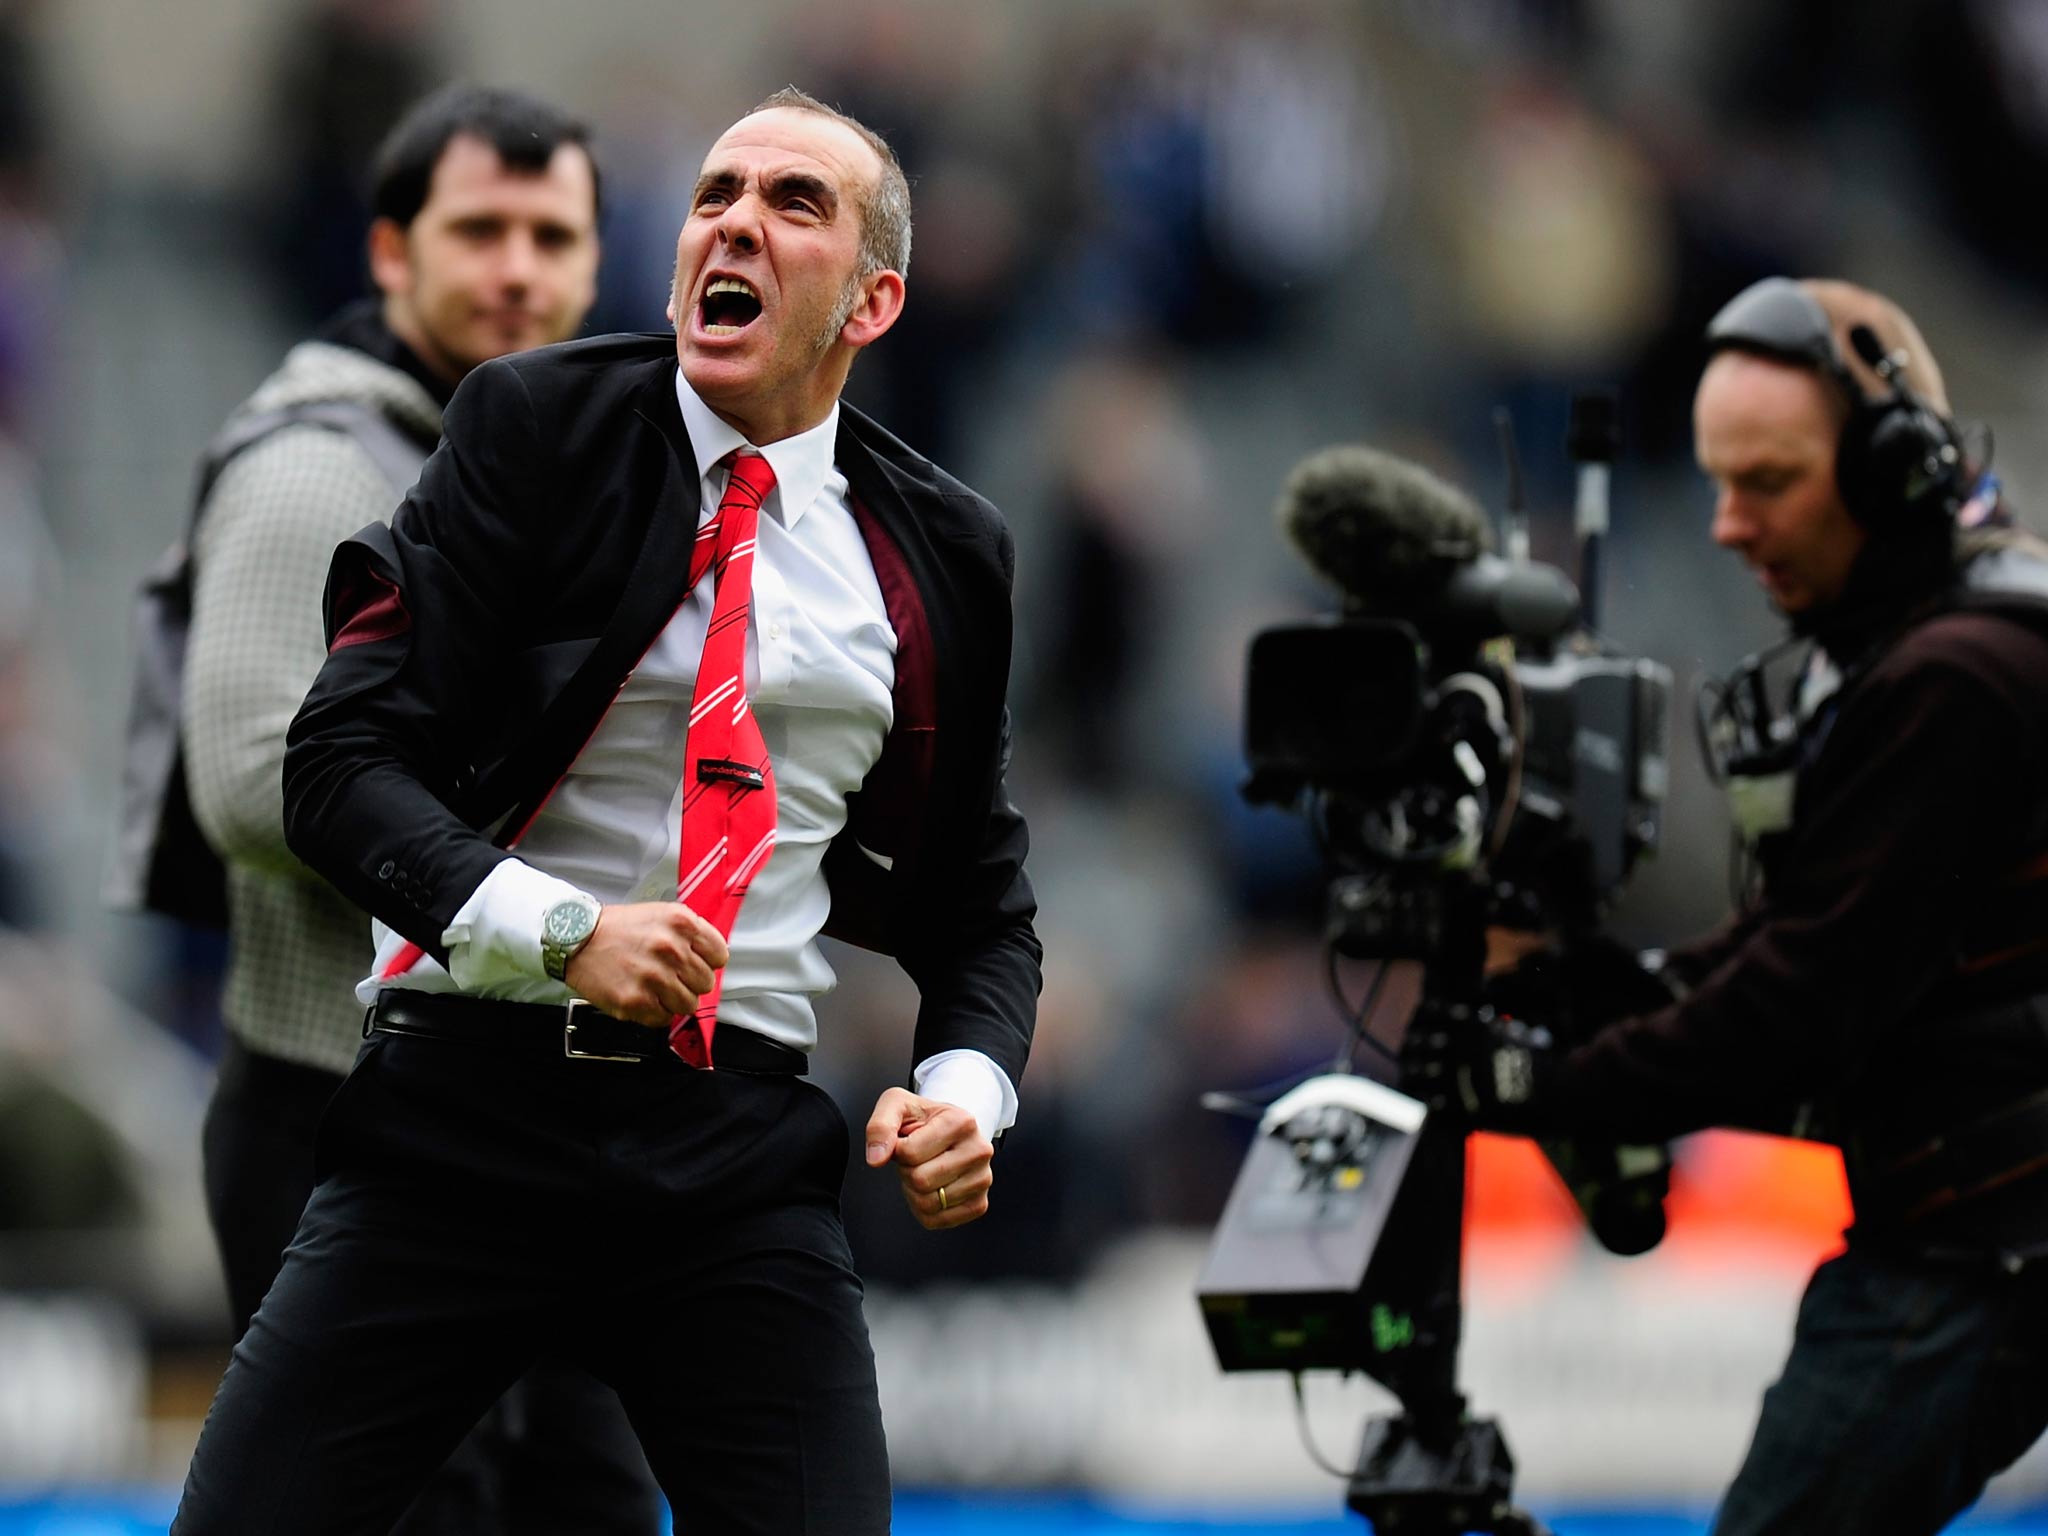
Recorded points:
1471,761
1457,786
1565,756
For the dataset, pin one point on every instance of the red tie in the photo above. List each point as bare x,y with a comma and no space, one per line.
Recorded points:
728,782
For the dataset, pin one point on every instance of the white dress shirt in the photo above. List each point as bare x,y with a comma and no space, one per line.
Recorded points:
821,664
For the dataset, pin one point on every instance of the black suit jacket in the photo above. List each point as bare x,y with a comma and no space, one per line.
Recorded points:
475,644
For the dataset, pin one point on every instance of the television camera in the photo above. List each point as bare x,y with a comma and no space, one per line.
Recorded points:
1473,759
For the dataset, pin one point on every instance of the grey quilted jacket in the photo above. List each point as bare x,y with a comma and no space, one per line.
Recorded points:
261,554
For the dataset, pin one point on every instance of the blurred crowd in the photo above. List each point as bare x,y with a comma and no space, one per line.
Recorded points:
1161,253
28,286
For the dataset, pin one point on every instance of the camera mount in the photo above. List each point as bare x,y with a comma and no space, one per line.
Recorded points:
1340,1245
1455,786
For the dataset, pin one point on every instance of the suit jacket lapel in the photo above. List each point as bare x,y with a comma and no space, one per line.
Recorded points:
657,581
885,817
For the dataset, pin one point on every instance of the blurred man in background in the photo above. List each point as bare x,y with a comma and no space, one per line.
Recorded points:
1890,984
484,242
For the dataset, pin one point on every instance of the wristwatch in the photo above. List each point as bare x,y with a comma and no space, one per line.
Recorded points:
565,928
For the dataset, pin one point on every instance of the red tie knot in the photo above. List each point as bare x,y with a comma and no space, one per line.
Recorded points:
753,477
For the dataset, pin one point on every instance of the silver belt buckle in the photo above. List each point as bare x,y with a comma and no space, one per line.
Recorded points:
576,1053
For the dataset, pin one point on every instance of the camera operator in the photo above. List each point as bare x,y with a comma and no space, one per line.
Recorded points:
1889,985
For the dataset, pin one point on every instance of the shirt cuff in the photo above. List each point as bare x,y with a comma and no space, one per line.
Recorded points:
973,1082
495,937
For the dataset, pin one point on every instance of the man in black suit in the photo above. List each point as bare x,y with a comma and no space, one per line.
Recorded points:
530,1154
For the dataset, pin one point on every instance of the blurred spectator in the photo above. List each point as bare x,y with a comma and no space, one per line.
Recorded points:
1125,493
1560,244
1559,235
1743,204
28,562
1301,157
1215,174
28,769
1133,259
1518,31
654,137
1266,861
916,74
24,112
28,254
59,1168
1975,75
969,253
348,69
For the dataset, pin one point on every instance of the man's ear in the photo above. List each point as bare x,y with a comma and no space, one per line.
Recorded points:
390,257
876,312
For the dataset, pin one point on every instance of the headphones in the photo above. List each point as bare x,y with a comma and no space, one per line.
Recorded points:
1898,460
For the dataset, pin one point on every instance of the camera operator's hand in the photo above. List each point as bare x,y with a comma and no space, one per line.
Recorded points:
1486,1067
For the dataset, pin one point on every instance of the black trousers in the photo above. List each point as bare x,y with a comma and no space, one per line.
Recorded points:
1910,1384
480,1209
553,1454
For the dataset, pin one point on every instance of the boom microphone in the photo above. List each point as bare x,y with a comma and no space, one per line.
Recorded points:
1400,542
1376,525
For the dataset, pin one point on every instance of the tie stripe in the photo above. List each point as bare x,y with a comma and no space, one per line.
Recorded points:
711,700
704,867
756,856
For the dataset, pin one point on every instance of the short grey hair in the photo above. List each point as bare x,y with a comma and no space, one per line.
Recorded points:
884,207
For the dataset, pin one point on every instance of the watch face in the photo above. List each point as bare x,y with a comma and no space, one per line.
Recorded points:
568,922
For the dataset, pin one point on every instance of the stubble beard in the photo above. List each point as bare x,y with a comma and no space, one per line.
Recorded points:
849,300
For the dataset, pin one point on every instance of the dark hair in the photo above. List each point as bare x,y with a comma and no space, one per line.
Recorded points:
524,130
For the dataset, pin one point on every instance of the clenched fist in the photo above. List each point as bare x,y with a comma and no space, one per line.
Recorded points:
942,1159
648,961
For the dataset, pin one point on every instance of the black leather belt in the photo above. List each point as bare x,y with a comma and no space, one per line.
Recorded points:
576,1029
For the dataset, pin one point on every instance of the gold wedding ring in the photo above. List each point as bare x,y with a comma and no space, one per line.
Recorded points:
942,1197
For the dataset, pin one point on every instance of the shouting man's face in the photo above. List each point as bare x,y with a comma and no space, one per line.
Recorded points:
770,303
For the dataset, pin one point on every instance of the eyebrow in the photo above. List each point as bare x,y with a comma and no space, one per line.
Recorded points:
787,184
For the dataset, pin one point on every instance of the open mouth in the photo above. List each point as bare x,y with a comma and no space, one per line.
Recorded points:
728,307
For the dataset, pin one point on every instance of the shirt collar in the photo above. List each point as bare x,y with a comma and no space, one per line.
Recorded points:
801,463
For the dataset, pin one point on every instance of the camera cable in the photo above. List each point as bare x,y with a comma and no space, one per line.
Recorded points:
1308,1440
1357,1018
